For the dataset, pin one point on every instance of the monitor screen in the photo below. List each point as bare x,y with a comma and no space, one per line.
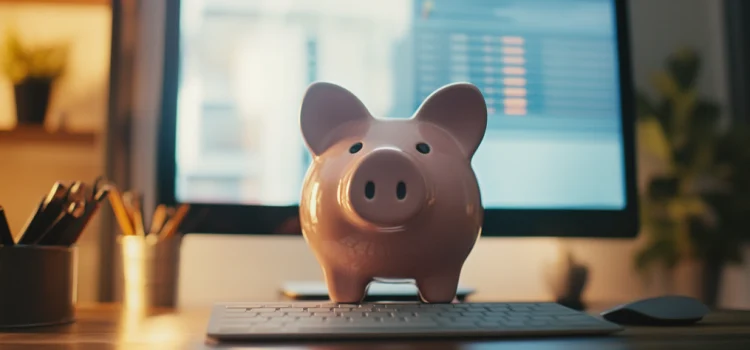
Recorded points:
548,70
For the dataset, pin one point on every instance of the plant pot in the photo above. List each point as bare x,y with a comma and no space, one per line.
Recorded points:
734,292
32,99
711,280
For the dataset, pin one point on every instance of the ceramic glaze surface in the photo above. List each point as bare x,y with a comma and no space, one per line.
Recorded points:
392,198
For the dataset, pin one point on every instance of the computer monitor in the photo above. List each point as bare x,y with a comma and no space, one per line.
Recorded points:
558,155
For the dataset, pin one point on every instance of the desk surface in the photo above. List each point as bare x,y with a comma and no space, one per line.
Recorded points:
109,327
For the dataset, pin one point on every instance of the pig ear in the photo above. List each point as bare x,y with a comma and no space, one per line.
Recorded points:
325,107
460,109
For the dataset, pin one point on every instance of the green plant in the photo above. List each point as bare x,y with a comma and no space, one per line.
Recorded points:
41,62
700,206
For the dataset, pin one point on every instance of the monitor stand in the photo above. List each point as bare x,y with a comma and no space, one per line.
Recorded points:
376,292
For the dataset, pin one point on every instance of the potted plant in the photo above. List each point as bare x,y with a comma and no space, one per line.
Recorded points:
698,206
33,72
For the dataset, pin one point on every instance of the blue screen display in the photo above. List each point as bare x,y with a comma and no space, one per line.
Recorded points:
548,69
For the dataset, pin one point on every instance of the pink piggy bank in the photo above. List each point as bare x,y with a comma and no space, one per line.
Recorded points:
392,198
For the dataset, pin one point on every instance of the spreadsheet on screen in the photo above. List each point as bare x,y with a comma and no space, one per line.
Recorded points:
548,70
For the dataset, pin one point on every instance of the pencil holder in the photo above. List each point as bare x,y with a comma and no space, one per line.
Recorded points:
37,285
148,270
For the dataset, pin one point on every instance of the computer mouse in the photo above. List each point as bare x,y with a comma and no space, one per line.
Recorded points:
671,310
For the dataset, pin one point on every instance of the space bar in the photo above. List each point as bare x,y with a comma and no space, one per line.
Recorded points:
366,328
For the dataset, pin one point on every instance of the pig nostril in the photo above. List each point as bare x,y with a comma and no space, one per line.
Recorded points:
401,190
370,190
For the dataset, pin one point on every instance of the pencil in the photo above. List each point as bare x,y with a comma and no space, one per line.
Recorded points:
121,214
157,220
173,224
137,215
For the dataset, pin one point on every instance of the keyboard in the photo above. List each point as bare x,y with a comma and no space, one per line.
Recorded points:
324,320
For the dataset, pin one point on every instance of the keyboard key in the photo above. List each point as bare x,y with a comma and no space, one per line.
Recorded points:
498,308
520,308
472,313
475,309
382,309
493,318
428,312
263,309
348,306
319,309
293,309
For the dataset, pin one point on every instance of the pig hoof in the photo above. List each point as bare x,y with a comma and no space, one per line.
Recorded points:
345,288
438,289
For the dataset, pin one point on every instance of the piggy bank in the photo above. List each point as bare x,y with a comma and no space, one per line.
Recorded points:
391,198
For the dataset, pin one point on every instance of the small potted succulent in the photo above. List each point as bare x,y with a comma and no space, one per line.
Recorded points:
33,72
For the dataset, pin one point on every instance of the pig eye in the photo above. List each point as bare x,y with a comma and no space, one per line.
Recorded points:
355,147
423,148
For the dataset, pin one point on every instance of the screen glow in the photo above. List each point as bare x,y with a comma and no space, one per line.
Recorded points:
547,68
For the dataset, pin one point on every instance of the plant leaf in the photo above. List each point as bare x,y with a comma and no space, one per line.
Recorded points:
662,188
665,85
651,139
644,107
684,66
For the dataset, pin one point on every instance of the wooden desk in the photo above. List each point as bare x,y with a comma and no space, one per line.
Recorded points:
107,327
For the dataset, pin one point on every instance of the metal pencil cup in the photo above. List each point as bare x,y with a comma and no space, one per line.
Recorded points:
148,271
37,285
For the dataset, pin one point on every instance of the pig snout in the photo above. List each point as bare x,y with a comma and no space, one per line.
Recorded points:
387,188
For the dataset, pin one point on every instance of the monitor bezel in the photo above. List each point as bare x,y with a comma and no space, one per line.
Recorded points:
262,220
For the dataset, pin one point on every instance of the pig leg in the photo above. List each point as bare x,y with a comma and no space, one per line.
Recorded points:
438,288
346,288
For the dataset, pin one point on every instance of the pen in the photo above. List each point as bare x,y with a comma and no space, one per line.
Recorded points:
72,208
101,194
71,235
49,209
6,237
